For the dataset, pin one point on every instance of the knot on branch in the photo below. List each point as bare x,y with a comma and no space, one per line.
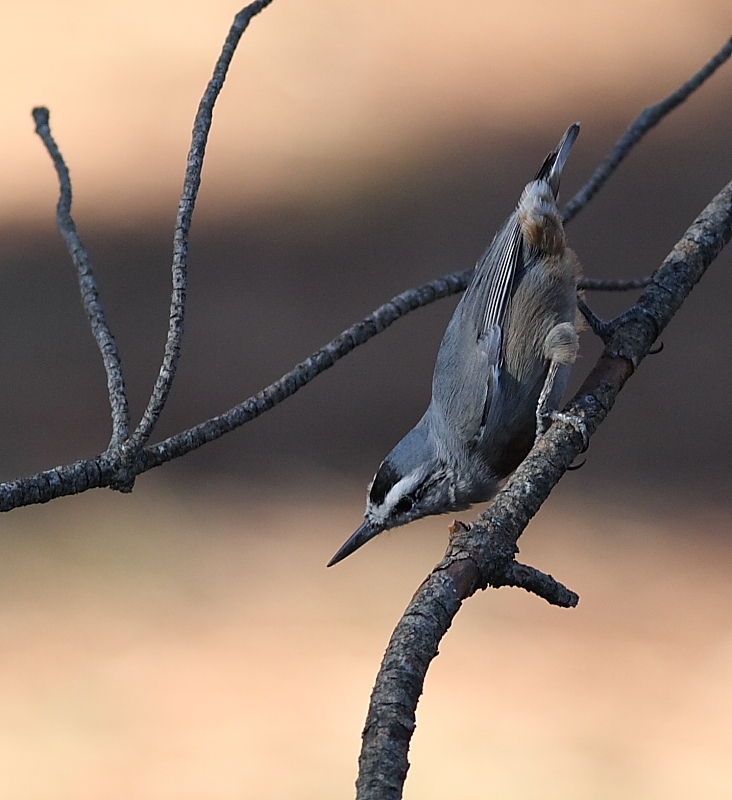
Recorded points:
478,557
123,466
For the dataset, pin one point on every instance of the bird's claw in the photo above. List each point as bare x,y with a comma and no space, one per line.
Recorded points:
576,422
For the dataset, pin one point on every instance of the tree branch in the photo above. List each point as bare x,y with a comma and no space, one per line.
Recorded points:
483,554
191,183
306,371
88,286
647,119
612,284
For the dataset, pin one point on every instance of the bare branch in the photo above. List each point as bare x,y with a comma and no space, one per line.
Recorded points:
508,573
649,118
88,286
191,183
93,473
482,554
542,585
307,370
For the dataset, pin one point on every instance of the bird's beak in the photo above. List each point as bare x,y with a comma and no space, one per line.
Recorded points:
367,531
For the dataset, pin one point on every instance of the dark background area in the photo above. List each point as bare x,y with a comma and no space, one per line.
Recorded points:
268,285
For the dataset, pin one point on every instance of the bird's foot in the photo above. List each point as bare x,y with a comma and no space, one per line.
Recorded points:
605,329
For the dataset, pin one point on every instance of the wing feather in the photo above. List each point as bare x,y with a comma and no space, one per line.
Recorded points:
470,357
494,277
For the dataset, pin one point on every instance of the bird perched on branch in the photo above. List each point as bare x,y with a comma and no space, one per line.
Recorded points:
500,373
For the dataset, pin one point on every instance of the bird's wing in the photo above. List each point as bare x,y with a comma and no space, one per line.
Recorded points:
470,357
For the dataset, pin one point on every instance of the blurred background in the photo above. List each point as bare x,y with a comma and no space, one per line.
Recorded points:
186,641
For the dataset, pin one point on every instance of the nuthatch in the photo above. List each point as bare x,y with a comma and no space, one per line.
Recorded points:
501,369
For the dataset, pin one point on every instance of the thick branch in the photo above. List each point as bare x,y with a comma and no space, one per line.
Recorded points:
88,286
480,554
191,183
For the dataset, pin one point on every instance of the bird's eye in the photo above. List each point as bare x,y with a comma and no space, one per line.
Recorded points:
404,505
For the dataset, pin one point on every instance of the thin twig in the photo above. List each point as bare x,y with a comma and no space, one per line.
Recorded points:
306,371
191,183
88,286
613,284
477,554
648,119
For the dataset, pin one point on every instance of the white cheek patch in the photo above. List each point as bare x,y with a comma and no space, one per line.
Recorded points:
381,513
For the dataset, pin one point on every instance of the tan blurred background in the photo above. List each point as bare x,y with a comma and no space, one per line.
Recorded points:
187,642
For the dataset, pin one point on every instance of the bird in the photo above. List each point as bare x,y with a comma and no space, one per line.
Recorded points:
500,372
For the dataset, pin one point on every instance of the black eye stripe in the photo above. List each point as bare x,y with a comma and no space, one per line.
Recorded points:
387,477
384,481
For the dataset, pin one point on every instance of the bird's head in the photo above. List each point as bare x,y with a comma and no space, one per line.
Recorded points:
412,482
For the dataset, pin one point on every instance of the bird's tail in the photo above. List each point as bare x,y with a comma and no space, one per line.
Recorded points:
551,169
